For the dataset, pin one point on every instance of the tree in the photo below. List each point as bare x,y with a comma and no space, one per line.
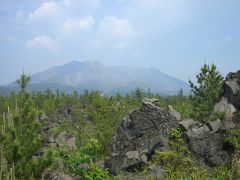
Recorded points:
207,92
21,139
23,81
180,93
138,94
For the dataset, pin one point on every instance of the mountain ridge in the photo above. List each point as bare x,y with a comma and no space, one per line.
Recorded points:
93,75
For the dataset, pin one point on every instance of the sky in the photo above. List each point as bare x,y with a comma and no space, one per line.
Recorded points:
175,36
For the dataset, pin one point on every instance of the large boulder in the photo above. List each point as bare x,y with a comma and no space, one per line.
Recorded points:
224,107
206,141
232,88
141,132
174,113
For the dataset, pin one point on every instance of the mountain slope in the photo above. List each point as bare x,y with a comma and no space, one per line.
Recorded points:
95,76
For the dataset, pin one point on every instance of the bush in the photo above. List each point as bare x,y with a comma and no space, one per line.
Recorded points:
175,134
20,139
207,92
94,172
234,138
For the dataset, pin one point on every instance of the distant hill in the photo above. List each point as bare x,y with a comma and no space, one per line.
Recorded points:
92,75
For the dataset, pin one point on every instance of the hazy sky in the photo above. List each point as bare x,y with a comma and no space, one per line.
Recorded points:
175,36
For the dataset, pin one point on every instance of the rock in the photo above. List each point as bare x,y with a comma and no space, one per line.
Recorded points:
71,142
49,174
154,101
43,117
132,155
101,163
197,130
58,176
188,123
48,139
227,125
65,111
232,88
174,113
215,125
151,100
84,165
64,139
140,134
155,171
207,143
224,107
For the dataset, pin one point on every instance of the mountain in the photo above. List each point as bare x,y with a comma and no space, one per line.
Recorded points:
92,75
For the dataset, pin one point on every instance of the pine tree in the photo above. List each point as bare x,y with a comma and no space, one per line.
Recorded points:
21,139
207,92
23,81
180,93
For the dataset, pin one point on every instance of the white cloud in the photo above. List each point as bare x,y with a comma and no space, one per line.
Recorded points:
114,32
153,17
119,28
62,9
43,41
82,5
45,11
75,24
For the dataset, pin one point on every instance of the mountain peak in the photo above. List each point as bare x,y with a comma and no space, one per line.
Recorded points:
83,63
93,75
73,62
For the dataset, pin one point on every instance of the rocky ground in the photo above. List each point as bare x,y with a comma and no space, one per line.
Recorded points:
146,129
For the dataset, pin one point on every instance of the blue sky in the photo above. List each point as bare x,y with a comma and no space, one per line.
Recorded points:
175,36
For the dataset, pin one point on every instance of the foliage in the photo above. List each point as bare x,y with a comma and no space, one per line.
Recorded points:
93,122
235,166
218,115
20,140
102,117
73,160
178,165
182,104
23,81
175,134
220,173
177,161
234,138
207,92
94,172
6,172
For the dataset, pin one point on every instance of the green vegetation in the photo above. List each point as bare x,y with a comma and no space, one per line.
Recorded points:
23,81
20,139
207,92
177,161
92,120
234,138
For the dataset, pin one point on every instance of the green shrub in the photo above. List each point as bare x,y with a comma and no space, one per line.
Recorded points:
218,115
220,173
206,93
21,138
94,172
175,134
177,166
234,138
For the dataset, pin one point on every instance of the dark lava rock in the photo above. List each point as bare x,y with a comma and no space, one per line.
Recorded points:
65,111
207,143
141,132
232,88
